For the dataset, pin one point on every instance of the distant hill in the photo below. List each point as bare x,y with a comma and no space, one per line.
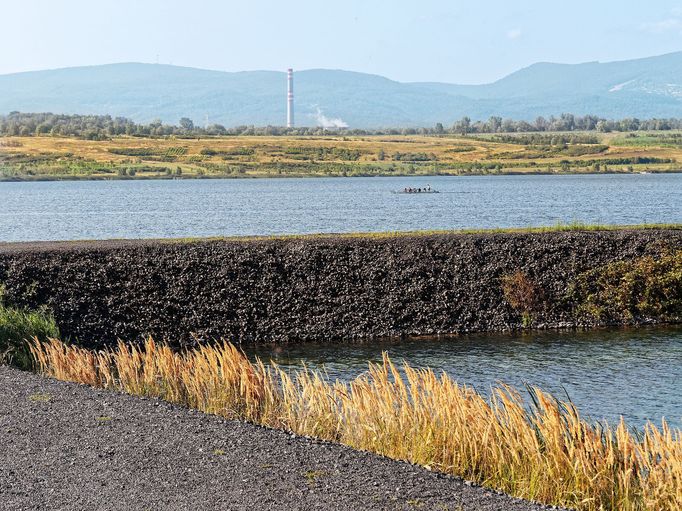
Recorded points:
644,88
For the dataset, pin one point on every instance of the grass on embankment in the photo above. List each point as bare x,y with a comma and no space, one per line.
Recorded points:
17,325
550,454
559,227
645,287
574,226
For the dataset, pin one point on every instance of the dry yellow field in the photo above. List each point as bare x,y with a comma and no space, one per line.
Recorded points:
36,157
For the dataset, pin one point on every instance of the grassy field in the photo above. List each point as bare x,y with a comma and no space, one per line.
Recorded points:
29,158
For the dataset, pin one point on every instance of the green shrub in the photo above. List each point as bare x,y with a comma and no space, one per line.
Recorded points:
17,326
135,151
646,288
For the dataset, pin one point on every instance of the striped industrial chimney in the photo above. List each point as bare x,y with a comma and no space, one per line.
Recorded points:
290,98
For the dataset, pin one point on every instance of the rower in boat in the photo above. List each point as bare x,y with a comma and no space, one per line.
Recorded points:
409,189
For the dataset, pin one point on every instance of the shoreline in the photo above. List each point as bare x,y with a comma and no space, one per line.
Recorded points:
29,179
12,246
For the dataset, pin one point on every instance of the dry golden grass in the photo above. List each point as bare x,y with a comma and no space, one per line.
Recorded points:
551,454
266,149
273,150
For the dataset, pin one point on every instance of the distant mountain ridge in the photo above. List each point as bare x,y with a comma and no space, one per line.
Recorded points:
644,88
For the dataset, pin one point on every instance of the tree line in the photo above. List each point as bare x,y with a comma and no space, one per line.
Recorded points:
100,127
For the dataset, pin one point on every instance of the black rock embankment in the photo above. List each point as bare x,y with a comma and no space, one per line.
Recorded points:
312,288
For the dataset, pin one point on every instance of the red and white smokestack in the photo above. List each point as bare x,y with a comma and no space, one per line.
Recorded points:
290,98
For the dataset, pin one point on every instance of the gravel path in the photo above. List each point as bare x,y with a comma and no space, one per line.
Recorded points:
68,446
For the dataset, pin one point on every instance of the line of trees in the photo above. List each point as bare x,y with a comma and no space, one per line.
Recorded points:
100,127
565,122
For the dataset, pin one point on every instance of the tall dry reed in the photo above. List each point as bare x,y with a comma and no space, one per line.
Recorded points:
549,454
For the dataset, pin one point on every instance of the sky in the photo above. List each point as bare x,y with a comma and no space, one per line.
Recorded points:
472,41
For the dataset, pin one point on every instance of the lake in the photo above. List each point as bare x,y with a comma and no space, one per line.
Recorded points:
631,373
607,373
224,207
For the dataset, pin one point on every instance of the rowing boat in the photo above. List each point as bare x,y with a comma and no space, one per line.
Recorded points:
415,192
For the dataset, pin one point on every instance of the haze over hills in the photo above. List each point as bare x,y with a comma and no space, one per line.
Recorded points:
644,88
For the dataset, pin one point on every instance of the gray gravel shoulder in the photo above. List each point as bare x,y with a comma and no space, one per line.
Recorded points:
68,446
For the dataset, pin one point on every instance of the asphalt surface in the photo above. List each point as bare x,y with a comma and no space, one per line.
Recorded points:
68,446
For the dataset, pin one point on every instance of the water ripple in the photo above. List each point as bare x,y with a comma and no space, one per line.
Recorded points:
180,208
636,374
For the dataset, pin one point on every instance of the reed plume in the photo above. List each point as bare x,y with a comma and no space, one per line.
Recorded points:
546,452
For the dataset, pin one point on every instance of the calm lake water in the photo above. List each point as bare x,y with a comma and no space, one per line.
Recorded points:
607,374
182,208
633,373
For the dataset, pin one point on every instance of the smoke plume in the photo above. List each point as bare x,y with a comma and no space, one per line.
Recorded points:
326,122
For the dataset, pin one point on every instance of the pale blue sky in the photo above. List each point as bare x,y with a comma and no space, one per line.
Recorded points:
455,41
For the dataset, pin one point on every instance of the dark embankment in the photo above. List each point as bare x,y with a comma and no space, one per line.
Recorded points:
345,287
